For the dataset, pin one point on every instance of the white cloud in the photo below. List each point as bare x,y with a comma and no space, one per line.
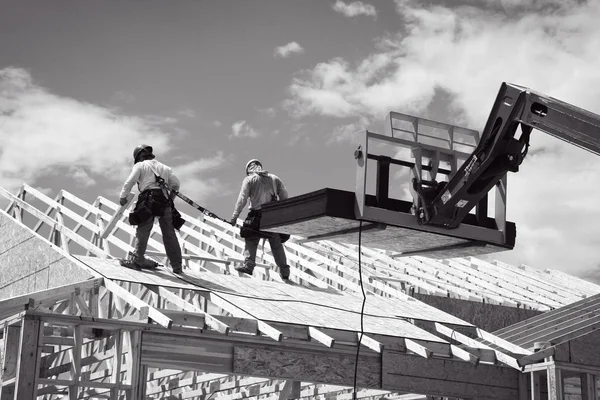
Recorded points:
81,177
187,112
354,8
122,97
217,124
194,182
41,131
243,129
466,52
290,48
267,112
349,132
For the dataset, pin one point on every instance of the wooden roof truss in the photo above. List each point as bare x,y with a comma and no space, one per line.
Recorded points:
110,338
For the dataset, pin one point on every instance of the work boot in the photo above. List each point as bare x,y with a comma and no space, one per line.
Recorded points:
131,261
145,263
284,272
245,270
178,270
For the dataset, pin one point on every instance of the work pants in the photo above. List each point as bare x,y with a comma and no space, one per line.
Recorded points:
277,250
142,234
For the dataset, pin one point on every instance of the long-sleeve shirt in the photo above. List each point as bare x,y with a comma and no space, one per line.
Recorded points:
143,175
259,188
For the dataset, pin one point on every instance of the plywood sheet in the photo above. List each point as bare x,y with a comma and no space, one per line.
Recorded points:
313,367
28,263
300,305
329,214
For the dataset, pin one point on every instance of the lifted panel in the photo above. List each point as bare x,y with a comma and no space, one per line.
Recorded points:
329,214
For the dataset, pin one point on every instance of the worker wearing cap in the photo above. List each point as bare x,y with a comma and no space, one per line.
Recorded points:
259,186
153,201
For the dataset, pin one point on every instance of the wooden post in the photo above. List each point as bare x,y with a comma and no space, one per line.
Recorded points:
94,299
10,352
137,372
523,395
29,360
10,359
555,386
588,387
291,390
116,365
110,305
535,385
76,362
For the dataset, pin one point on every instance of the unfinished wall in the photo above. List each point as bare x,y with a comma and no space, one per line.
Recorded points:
29,263
489,317
581,350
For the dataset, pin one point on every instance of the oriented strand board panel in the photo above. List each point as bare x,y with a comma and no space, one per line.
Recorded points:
160,277
329,214
442,378
29,263
489,317
330,369
286,303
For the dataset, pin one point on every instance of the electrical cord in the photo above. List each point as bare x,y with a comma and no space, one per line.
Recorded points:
362,310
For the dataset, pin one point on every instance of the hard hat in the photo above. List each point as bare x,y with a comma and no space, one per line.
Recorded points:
142,148
254,160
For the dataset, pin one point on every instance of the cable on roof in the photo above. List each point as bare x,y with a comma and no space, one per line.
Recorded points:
362,309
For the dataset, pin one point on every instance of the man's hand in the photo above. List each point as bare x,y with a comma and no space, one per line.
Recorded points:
123,201
233,221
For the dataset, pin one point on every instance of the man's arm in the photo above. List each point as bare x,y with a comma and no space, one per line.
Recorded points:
241,200
133,177
281,190
173,181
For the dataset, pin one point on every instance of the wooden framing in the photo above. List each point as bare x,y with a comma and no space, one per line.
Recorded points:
118,334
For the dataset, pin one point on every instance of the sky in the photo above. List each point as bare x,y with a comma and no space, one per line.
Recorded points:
212,84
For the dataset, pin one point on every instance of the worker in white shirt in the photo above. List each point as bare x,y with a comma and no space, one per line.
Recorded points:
260,187
153,201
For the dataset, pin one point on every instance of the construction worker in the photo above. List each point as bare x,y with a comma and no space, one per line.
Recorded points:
153,201
259,187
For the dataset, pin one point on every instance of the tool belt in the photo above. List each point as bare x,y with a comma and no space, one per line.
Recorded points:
151,203
251,228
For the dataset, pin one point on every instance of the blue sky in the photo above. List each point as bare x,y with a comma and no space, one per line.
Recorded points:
211,84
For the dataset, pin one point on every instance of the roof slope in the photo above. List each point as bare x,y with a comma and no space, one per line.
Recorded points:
56,243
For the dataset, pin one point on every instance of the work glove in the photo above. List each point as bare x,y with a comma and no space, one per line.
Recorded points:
123,201
233,221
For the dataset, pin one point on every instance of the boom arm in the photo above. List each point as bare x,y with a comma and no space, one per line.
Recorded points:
499,151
